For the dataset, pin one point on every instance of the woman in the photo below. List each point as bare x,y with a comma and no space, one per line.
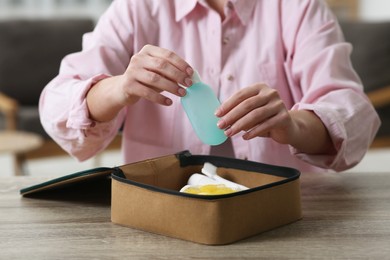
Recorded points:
280,68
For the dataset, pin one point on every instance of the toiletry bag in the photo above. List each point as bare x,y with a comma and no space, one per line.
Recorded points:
145,195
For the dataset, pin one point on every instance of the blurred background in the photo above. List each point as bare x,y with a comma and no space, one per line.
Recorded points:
373,10
60,24
11,9
344,9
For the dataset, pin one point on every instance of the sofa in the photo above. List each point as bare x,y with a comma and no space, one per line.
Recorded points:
371,60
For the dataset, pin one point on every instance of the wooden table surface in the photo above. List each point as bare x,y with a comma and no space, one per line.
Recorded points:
346,216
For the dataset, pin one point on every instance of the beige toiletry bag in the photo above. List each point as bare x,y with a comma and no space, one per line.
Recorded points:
145,196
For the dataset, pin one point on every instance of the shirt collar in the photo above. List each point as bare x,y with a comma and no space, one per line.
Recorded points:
243,8
184,7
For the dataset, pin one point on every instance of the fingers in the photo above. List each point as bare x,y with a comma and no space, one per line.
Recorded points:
170,56
159,83
249,120
257,110
154,70
267,127
167,64
237,99
239,105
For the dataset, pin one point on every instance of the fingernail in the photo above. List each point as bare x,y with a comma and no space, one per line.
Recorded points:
217,112
182,92
168,101
221,124
228,132
188,82
189,71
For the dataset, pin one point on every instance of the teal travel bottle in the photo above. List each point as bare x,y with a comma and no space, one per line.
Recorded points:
200,103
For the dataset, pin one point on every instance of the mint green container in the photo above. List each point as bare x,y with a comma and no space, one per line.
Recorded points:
200,104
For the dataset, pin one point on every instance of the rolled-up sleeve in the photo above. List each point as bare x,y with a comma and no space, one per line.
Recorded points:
319,67
63,109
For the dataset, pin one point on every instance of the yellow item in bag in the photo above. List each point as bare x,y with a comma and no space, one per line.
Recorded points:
208,189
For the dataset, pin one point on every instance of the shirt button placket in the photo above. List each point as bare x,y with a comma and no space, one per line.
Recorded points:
230,77
214,58
225,40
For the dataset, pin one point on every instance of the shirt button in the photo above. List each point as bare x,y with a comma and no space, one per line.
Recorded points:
225,40
230,77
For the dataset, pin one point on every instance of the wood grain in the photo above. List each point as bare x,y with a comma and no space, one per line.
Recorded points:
346,216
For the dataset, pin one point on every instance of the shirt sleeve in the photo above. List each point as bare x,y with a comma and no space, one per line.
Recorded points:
318,65
63,110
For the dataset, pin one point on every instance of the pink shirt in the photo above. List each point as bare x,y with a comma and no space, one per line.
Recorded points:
295,46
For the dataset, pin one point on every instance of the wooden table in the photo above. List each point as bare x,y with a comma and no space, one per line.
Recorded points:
346,216
18,143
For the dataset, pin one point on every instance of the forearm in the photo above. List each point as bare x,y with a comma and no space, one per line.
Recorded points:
65,117
104,99
309,135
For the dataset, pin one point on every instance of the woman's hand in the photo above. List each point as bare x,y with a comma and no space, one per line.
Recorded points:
150,72
259,111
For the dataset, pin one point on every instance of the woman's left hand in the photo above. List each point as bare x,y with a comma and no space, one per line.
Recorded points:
258,111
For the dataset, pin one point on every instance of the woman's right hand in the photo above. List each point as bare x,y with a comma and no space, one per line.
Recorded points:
150,72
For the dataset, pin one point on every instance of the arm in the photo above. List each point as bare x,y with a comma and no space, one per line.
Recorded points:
150,72
259,111
319,63
324,127
85,105
63,109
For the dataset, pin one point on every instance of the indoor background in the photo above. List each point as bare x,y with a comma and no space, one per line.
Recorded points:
376,11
